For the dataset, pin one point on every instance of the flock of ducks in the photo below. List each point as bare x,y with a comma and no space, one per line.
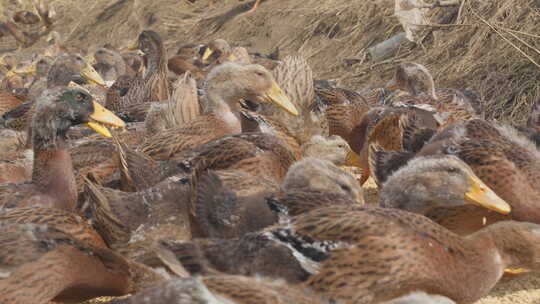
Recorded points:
216,176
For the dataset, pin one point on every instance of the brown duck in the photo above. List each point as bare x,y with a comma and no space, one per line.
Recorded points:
225,86
152,86
444,189
369,255
507,162
224,289
53,182
40,263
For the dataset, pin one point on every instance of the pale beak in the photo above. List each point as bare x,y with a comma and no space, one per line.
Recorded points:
207,53
516,271
480,194
93,77
353,159
29,69
276,96
103,116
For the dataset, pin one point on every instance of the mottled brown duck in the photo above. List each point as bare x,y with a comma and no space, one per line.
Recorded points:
187,59
109,64
443,188
506,161
295,76
386,127
450,105
53,181
40,263
62,220
121,217
225,86
368,255
224,289
152,85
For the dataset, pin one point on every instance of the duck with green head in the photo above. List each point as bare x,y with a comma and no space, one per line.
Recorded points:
53,180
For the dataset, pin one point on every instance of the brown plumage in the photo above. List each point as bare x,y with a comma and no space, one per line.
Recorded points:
109,64
216,289
368,255
451,105
225,85
53,181
442,187
506,161
120,216
40,263
129,91
64,221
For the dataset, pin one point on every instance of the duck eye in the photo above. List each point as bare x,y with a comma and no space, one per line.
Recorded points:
345,188
79,97
452,170
259,73
451,150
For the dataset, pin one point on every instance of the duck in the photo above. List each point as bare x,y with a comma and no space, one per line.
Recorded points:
295,76
398,252
61,268
134,217
109,64
225,85
152,85
226,211
40,69
451,105
387,127
62,220
446,190
63,70
53,179
187,59
332,148
507,162
355,254
224,289
219,51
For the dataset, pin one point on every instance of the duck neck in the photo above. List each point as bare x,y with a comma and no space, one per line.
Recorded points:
119,65
52,171
225,109
509,247
155,62
156,76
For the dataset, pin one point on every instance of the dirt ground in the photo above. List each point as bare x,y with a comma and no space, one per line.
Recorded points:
479,51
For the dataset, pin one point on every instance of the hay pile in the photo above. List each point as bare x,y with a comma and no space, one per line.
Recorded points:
489,46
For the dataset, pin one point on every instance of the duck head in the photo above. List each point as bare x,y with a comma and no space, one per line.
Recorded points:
438,181
321,175
232,82
59,109
72,67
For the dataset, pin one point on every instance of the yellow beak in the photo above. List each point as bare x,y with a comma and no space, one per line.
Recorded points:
276,96
10,73
480,194
29,69
353,159
93,77
90,59
103,116
207,53
515,271
133,46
